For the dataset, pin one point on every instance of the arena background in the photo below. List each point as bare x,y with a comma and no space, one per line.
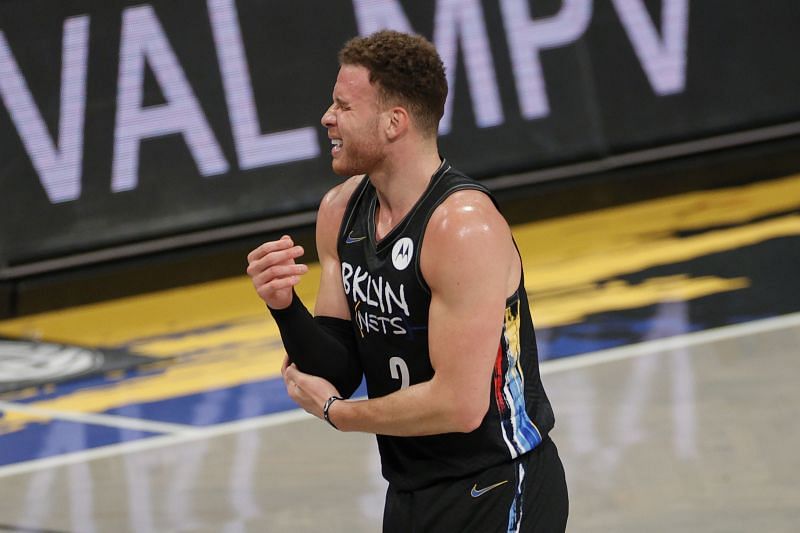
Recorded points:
137,131
645,152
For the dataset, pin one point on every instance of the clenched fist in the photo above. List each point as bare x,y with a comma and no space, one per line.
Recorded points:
273,270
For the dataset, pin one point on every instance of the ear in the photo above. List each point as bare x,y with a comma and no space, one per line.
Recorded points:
397,124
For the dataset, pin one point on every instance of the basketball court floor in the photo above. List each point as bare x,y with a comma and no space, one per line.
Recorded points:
669,333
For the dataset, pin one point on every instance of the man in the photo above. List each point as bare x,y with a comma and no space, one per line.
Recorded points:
422,293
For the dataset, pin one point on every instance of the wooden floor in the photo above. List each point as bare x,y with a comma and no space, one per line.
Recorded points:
668,331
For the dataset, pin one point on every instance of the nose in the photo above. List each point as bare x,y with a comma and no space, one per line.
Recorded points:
328,117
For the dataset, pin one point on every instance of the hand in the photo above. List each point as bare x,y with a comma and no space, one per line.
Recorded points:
273,271
307,391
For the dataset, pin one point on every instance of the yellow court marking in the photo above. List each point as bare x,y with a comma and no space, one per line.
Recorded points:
243,365
224,336
638,256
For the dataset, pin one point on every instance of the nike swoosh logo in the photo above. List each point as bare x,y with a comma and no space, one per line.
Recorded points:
350,239
477,493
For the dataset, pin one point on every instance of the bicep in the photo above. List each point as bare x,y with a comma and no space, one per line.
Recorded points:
468,276
331,300
464,335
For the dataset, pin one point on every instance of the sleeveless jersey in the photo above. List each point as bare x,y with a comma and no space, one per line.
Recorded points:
389,300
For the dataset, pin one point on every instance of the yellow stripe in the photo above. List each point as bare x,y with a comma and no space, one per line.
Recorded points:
574,306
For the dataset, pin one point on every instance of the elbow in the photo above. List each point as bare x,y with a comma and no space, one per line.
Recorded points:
470,416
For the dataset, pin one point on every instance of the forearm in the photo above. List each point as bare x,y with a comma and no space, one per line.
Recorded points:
427,408
321,346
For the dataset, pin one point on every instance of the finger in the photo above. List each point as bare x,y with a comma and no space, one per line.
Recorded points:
278,272
275,257
269,289
281,258
291,374
269,250
285,365
284,271
293,392
269,247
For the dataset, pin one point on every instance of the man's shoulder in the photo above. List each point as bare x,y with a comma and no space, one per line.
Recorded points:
335,201
466,218
466,208
467,229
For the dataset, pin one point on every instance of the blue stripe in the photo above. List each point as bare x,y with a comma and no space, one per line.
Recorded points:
525,436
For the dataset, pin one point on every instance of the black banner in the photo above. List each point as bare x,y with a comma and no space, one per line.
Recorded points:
126,121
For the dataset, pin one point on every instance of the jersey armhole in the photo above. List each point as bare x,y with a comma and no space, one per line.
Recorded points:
457,188
349,212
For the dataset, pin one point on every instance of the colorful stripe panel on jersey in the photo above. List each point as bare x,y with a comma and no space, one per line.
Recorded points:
519,432
515,513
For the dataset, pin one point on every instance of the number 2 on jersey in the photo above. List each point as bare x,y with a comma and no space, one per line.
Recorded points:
399,370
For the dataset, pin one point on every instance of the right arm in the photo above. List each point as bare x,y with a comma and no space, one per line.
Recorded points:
331,300
325,344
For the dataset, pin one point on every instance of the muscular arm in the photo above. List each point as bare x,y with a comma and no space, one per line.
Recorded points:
331,300
470,264
323,345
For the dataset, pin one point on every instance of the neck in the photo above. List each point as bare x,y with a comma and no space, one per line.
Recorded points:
399,183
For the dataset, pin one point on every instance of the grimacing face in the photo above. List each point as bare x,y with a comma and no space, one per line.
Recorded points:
353,123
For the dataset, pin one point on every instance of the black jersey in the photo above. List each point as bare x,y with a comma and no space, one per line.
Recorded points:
389,302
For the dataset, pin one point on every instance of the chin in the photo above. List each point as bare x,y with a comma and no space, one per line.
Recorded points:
339,169
344,170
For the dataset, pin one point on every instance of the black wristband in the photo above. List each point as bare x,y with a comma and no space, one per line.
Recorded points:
294,306
321,346
326,407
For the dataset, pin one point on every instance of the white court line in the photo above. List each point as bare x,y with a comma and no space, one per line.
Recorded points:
117,421
276,419
670,343
285,417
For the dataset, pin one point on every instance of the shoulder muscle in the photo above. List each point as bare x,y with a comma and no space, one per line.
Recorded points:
331,211
467,233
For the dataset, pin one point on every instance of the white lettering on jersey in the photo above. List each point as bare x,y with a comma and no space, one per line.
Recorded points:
380,307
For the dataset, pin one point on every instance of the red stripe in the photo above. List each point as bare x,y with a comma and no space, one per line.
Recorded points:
498,381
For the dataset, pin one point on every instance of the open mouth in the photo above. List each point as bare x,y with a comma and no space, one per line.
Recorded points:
337,146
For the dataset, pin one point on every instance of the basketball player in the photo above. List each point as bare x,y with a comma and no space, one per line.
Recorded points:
422,293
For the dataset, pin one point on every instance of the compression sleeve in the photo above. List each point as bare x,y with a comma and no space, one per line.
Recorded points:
322,346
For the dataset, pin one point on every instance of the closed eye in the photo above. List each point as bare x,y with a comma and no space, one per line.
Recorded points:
341,104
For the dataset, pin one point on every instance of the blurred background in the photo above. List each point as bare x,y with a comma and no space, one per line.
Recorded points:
646,153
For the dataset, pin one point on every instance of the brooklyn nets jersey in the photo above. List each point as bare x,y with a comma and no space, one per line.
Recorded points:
389,300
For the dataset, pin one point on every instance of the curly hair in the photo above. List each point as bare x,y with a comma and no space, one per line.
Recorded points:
407,70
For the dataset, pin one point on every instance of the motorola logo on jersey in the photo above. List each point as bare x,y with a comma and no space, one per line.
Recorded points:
402,252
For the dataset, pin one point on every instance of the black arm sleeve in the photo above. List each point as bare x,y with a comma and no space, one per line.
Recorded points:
322,346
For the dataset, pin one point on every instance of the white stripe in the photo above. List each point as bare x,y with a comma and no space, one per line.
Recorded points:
670,343
116,421
509,400
112,450
548,367
512,450
520,494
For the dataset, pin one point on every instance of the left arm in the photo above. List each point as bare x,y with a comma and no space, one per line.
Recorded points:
469,262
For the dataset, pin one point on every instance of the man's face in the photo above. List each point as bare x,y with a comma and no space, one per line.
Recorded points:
353,122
